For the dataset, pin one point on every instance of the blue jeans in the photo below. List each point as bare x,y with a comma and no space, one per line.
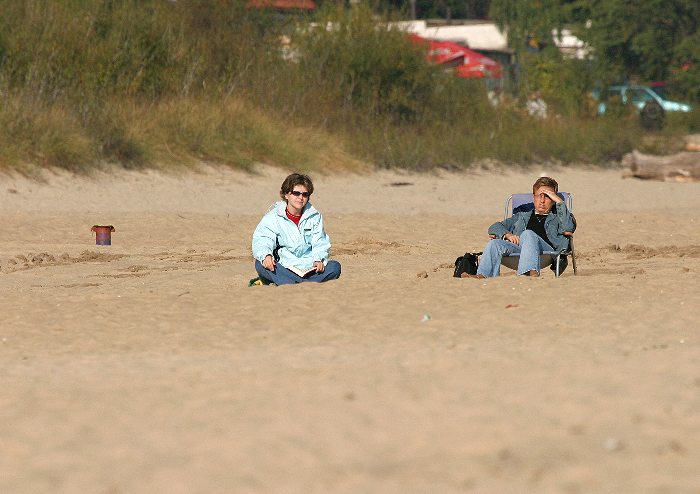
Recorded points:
283,276
530,248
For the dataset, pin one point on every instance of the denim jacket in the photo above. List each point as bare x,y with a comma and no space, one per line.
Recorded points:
559,220
298,246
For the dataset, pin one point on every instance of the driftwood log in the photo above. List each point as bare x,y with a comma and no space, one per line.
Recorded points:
680,167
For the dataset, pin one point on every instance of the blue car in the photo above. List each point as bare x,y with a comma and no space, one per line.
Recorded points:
639,96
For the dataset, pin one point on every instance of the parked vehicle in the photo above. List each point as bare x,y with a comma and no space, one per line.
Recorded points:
640,97
649,104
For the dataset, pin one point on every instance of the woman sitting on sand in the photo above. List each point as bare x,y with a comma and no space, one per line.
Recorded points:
290,244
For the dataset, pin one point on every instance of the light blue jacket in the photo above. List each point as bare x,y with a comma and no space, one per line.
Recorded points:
559,220
298,246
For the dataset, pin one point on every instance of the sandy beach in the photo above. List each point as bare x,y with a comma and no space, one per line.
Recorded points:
150,365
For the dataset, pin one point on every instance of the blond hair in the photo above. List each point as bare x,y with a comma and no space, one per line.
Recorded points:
545,182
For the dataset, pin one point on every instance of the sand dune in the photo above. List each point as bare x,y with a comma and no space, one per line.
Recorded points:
150,365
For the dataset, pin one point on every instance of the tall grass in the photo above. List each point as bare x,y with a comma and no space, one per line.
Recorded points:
137,83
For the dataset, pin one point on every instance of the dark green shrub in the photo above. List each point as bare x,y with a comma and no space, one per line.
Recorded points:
367,66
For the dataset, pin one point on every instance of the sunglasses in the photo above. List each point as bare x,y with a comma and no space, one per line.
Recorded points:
297,193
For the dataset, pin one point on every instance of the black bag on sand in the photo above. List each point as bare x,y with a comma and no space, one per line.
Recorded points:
468,263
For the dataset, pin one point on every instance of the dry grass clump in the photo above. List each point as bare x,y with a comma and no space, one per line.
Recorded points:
172,84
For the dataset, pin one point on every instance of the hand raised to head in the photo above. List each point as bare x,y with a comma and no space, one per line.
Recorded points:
549,192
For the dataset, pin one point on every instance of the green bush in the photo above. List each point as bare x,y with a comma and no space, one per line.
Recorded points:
367,66
161,83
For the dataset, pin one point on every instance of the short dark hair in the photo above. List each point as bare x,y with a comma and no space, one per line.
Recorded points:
293,180
545,182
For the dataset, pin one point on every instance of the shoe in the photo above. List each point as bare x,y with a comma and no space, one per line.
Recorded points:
477,276
259,281
533,273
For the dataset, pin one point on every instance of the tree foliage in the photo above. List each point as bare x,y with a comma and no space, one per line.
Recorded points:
686,69
631,40
636,39
449,9
529,23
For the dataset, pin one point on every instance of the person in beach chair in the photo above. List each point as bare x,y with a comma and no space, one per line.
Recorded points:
290,244
528,234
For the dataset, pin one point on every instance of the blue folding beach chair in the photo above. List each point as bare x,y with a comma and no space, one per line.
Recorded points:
523,202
